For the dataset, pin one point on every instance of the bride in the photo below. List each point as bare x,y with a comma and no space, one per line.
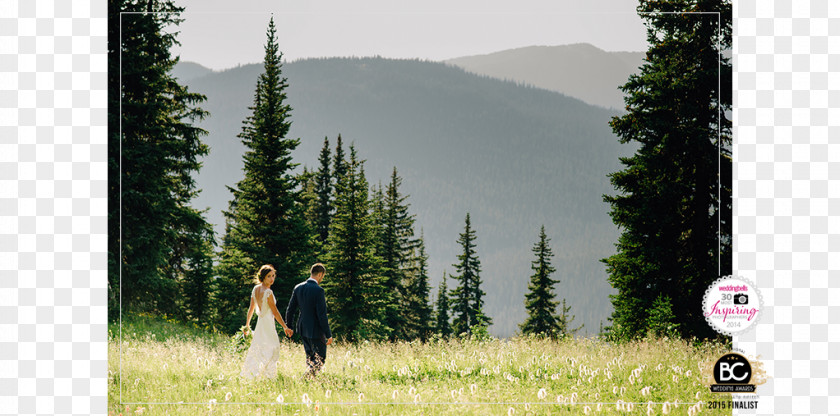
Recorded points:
262,356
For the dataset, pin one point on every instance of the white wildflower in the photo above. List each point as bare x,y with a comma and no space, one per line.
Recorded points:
306,400
228,396
527,407
329,392
666,408
586,410
541,394
280,398
511,411
697,395
473,388
560,398
416,398
361,396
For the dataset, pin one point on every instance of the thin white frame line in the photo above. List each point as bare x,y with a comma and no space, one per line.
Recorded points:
435,403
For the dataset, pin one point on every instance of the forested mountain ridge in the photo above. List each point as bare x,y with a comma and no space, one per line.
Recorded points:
515,157
580,70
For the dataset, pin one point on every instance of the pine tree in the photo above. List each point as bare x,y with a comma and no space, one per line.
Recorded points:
443,326
670,207
153,151
339,163
323,190
467,303
418,310
565,321
265,221
355,293
398,243
539,301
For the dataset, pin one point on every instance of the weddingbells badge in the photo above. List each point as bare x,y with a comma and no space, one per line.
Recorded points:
732,305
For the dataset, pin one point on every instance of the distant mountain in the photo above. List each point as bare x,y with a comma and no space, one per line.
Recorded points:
515,157
187,71
580,70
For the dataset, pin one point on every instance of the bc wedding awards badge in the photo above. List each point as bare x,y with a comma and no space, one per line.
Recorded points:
732,305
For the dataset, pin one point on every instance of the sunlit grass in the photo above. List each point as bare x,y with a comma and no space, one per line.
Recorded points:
163,362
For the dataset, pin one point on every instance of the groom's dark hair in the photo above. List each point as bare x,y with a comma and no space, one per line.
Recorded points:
317,268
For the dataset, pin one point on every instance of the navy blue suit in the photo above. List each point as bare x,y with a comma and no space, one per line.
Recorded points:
313,327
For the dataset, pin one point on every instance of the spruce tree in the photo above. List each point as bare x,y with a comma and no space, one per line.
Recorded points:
670,206
418,310
339,163
539,301
323,191
397,245
565,321
265,221
156,236
443,327
467,303
355,292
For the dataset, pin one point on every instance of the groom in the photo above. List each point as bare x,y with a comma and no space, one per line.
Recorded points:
313,327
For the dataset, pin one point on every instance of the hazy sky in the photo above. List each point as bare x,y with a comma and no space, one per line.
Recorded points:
223,33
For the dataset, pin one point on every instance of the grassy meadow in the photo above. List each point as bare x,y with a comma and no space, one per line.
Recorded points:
197,372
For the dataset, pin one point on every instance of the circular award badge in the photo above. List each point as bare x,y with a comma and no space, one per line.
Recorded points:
732,305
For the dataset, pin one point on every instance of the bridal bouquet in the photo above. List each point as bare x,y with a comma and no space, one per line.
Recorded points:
241,340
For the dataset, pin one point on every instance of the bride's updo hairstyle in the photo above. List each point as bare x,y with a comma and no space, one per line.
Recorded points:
265,269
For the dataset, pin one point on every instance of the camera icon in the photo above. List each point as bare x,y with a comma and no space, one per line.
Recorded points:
741,299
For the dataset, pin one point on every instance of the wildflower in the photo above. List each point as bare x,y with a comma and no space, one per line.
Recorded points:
306,400
221,376
452,393
412,390
541,394
666,408
394,395
136,381
140,410
228,396
361,396
560,398
164,366
573,399
473,388
697,395
317,406
417,398
511,411
599,407
210,404
629,406
586,410
675,379
329,392
527,407
619,405
209,383
280,398
645,391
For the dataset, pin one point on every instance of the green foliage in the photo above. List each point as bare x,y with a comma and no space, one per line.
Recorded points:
467,303
669,206
540,301
661,321
443,326
397,243
265,221
354,285
418,310
160,245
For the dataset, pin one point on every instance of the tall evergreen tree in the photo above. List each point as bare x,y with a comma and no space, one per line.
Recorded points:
265,221
153,151
339,162
670,206
443,327
539,301
354,286
418,310
323,191
467,303
398,244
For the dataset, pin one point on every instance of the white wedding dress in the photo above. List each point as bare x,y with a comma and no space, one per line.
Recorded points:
262,356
